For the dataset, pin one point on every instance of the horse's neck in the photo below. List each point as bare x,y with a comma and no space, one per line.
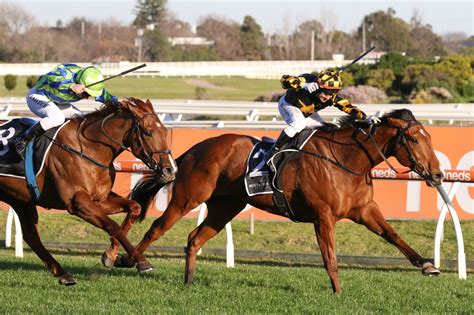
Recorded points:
105,136
355,150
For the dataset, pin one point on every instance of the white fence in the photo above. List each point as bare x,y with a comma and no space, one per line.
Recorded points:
248,69
258,115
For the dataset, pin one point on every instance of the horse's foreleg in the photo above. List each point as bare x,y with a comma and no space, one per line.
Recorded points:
28,216
324,229
220,212
159,227
372,218
117,204
83,206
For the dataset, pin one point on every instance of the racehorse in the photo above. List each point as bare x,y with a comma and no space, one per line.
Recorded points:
78,175
328,181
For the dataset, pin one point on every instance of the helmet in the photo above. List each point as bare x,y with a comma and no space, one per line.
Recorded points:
329,79
90,75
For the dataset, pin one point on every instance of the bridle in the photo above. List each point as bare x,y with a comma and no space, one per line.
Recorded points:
402,139
147,157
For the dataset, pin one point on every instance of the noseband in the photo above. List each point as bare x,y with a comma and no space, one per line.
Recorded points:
402,140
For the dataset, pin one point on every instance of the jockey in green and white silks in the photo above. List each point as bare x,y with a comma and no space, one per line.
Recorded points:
52,95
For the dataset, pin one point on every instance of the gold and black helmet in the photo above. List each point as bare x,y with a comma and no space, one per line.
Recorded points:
329,79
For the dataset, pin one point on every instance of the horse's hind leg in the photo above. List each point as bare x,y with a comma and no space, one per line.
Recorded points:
220,211
372,218
28,216
117,204
83,206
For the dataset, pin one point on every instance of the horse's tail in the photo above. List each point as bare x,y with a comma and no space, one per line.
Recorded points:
147,187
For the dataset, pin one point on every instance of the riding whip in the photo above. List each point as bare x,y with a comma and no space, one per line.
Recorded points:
118,75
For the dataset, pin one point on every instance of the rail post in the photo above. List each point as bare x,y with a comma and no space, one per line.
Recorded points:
448,206
13,217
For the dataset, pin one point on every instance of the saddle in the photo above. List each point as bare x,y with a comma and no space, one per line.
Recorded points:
11,163
261,179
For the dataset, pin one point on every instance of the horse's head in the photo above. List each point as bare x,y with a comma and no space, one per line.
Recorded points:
147,139
412,146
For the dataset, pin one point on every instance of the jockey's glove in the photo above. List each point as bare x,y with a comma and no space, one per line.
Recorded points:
310,86
373,119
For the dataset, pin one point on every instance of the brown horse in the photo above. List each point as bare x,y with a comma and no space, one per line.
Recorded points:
78,175
329,181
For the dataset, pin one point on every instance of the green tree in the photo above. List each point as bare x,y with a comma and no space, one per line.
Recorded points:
158,46
386,32
10,82
149,12
381,78
252,39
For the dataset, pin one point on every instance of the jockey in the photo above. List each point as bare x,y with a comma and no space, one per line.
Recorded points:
305,96
52,95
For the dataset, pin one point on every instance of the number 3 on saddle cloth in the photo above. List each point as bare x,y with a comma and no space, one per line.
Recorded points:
261,179
11,164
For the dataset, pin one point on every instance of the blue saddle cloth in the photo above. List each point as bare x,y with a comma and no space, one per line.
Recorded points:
11,163
258,175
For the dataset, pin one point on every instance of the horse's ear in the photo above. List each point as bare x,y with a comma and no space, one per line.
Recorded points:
397,122
149,102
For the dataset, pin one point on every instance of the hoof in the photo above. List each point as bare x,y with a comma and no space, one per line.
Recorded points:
144,266
428,269
107,261
67,280
123,262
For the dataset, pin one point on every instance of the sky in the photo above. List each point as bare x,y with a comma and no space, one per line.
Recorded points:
272,15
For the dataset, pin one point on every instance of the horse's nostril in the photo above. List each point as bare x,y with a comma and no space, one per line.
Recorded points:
168,172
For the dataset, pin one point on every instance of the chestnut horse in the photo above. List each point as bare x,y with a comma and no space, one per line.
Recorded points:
78,175
329,181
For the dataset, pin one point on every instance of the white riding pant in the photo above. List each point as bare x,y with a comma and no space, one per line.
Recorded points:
52,115
295,119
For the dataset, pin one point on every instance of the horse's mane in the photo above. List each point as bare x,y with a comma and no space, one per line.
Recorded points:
404,114
104,110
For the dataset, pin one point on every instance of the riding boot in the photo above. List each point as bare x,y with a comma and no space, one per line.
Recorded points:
278,145
22,141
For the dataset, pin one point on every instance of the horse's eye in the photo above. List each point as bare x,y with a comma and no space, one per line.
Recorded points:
147,133
413,140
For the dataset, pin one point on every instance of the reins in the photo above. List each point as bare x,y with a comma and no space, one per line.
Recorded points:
148,160
401,139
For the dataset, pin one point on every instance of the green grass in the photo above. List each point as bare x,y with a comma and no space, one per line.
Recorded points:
247,288
251,287
351,238
235,88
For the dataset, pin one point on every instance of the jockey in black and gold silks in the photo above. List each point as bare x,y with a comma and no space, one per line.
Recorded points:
305,96
309,102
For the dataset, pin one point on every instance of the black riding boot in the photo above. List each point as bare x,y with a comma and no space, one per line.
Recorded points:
279,143
22,141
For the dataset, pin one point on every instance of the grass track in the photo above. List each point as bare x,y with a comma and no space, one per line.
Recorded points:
25,288
228,88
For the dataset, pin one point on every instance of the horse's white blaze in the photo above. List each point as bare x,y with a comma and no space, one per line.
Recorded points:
173,164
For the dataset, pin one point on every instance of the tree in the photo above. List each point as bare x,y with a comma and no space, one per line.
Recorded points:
226,37
425,43
386,32
149,12
159,47
300,41
252,39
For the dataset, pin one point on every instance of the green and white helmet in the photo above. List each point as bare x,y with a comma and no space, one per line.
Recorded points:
90,75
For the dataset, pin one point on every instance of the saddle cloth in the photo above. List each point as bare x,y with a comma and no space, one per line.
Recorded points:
259,178
11,163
